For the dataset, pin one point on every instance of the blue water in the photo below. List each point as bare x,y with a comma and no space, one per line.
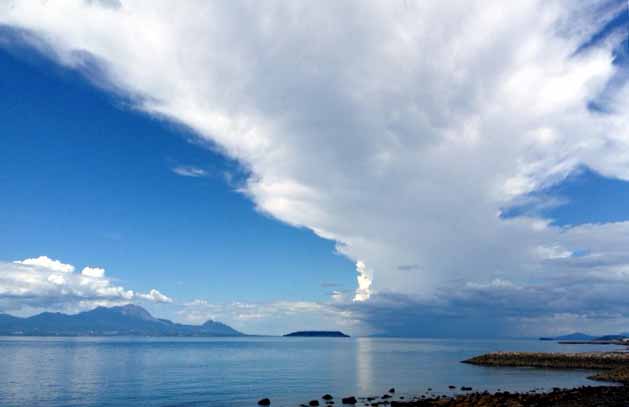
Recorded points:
237,372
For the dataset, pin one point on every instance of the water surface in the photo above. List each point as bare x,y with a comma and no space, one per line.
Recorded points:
55,372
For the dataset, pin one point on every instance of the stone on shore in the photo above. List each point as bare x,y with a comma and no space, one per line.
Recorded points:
349,400
264,402
618,375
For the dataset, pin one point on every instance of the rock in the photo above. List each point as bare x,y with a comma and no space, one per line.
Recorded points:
327,397
451,387
264,402
466,388
313,403
392,390
386,396
349,400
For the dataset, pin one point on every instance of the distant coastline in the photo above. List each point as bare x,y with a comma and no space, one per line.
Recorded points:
127,320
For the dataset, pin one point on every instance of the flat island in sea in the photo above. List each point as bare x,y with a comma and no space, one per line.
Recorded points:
319,334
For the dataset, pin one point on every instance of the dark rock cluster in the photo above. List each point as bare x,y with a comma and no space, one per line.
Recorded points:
603,396
587,396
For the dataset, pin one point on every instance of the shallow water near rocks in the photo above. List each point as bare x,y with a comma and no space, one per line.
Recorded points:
237,372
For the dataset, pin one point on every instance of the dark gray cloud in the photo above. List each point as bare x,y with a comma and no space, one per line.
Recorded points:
564,302
408,267
111,4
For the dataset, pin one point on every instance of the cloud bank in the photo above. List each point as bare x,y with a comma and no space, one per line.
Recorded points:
273,318
27,286
401,130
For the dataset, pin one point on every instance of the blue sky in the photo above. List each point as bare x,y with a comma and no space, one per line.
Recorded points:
88,180
376,167
584,197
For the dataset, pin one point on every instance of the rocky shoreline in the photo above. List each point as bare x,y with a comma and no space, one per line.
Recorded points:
602,396
587,396
614,367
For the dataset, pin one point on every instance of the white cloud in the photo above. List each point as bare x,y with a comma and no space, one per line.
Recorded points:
56,279
44,283
95,272
155,296
202,310
47,263
397,129
364,280
188,171
553,252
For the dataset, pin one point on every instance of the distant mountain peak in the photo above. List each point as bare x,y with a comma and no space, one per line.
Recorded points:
220,327
133,310
128,310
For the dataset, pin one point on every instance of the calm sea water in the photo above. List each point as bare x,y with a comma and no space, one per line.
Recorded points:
237,372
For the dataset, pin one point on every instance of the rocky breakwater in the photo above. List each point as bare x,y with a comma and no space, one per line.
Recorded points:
614,364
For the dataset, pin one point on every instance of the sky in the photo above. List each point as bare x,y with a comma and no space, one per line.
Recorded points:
381,167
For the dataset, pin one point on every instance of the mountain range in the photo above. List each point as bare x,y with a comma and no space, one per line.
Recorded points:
108,321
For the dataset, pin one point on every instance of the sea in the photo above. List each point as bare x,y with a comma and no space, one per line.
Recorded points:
121,371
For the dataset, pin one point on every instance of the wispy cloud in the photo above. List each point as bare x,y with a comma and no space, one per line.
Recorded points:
189,171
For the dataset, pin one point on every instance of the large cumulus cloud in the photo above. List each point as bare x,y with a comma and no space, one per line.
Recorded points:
398,129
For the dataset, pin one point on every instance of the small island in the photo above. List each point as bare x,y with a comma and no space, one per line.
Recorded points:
319,334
